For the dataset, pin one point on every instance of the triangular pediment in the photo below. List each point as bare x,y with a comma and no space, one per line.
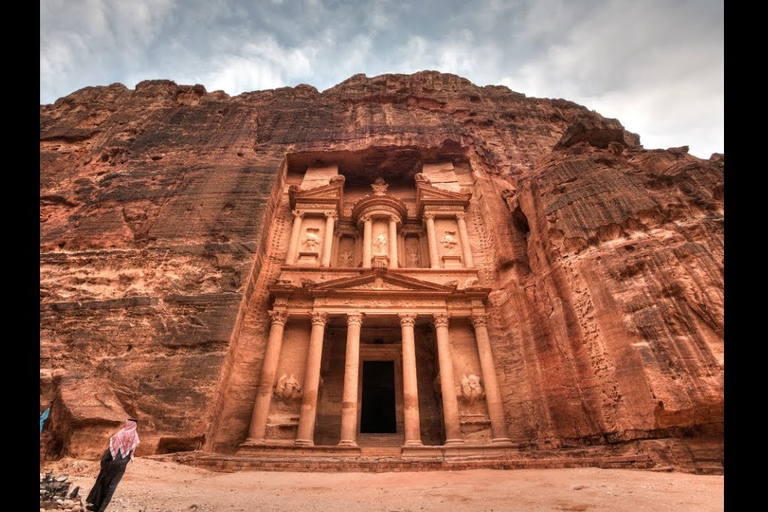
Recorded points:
430,192
332,193
430,195
380,280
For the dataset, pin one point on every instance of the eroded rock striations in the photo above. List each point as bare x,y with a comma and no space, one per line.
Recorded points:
165,224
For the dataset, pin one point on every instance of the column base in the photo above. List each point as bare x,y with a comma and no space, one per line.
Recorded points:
454,442
304,442
253,441
348,442
502,441
413,443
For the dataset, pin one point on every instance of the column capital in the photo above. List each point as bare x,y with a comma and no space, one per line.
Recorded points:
319,318
331,214
298,213
366,218
461,215
278,317
480,319
441,319
429,215
407,319
354,318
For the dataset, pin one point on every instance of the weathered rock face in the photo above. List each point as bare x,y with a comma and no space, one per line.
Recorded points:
605,260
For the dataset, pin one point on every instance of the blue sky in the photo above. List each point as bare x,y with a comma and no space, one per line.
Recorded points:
655,65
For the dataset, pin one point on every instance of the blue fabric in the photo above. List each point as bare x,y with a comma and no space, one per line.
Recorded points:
44,417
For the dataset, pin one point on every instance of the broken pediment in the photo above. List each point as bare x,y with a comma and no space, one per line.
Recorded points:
330,195
429,195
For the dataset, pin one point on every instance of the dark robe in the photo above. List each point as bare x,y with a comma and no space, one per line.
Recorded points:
112,470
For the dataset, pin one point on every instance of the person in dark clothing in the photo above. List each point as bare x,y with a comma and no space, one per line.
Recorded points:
113,463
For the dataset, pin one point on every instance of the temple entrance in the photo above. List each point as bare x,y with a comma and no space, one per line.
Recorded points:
377,415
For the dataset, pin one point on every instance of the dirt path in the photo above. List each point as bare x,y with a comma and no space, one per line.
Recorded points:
158,486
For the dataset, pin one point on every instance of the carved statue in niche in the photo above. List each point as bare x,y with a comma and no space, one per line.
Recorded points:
310,239
380,244
448,240
288,388
437,387
412,257
471,388
379,186
345,259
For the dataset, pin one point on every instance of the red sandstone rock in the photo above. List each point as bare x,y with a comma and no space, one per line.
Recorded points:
604,260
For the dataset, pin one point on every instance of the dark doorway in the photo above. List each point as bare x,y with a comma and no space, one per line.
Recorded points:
377,415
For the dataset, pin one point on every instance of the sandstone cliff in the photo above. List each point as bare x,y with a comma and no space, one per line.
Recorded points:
607,274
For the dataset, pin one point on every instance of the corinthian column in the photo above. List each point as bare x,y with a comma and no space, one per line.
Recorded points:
293,245
351,369
392,242
434,257
330,218
305,435
466,250
492,393
447,386
367,230
258,428
410,385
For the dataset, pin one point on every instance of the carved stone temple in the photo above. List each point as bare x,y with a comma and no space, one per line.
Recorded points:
401,272
377,316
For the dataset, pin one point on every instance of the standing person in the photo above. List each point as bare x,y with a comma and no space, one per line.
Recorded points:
44,416
113,463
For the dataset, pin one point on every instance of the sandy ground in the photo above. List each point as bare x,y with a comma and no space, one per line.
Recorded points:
159,486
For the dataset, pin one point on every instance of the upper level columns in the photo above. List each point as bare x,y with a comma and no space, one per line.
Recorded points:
330,219
305,435
464,239
393,242
434,257
367,235
351,371
257,430
293,245
447,385
492,393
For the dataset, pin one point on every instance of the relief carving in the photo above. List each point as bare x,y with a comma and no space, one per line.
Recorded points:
471,388
288,389
379,186
345,259
449,241
310,239
380,244
412,257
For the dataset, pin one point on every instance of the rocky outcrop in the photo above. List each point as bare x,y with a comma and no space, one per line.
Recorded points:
607,268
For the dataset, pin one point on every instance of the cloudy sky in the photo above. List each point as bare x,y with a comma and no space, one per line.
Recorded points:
655,65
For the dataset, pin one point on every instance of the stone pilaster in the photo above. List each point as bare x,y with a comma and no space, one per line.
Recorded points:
293,245
351,377
447,385
258,428
305,435
392,242
330,219
410,385
434,257
466,249
492,392
367,235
